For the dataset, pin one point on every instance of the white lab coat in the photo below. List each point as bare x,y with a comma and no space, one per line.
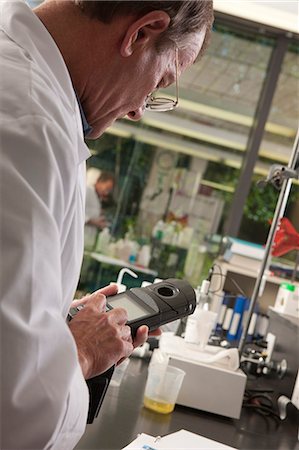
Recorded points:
42,187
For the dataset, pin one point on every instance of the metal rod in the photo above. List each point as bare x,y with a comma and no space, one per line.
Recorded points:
279,211
233,222
294,274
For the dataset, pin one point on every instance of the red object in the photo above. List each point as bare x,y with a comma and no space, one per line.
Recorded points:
286,238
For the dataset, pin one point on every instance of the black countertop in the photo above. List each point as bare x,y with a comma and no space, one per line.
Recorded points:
122,417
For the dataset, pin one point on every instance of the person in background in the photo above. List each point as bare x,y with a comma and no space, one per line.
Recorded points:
97,194
69,69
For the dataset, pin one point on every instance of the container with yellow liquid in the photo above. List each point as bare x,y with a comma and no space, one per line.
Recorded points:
162,388
160,407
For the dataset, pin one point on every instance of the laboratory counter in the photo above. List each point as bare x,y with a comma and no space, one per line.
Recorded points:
122,417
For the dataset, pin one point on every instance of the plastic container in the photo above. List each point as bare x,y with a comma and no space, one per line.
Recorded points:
103,241
286,300
199,327
185,237
158,230
144,256
162,388
194,263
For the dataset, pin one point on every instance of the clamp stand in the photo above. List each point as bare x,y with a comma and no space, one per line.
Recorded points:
280,178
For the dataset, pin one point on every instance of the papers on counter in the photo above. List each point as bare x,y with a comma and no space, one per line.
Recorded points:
181,440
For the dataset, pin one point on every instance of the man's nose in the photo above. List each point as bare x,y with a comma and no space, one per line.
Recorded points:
136,114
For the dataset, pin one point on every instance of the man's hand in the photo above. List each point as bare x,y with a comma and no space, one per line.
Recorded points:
99,222
103,338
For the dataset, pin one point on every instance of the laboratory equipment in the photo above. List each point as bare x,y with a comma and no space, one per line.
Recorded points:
153,306
282,179
156,304
162,388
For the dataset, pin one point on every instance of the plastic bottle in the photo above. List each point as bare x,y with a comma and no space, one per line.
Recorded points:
185,237
200,326
111,251
284,298
157,247
134,249
194,263
126,250
169,233
118,248
192,332
103,241
144,256
158,230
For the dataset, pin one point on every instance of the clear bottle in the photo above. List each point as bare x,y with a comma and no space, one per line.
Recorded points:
156,245
158,230
194,263
144,256
103,241
134,249
192,331
169,233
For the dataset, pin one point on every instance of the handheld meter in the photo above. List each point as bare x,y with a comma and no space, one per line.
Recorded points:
153,305
156,304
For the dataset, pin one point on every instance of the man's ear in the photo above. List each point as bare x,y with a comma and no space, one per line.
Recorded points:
143,31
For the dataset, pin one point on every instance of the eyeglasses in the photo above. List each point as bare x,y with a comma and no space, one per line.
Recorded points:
163,104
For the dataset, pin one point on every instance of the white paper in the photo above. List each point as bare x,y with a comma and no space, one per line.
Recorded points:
140,442
181,440
185,440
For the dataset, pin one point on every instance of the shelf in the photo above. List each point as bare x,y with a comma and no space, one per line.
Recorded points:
120,263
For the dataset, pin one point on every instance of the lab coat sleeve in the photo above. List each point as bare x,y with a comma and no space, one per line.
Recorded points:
44,395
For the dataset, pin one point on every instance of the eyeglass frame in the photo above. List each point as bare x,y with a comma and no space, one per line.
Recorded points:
158,104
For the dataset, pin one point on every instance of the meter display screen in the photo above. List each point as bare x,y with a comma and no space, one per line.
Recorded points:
134,309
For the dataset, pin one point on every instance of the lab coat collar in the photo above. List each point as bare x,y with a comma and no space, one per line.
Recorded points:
24,27
21,24
86,127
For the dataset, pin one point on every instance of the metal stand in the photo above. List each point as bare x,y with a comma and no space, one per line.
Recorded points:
295,268
279,211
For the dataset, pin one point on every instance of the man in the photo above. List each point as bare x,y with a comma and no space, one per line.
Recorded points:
96,194
102,59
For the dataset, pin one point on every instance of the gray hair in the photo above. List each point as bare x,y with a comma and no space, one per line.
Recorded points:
186,16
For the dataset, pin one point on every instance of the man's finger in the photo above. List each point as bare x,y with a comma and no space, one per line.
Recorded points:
97,300
141,336
118,316
156,332
109,290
